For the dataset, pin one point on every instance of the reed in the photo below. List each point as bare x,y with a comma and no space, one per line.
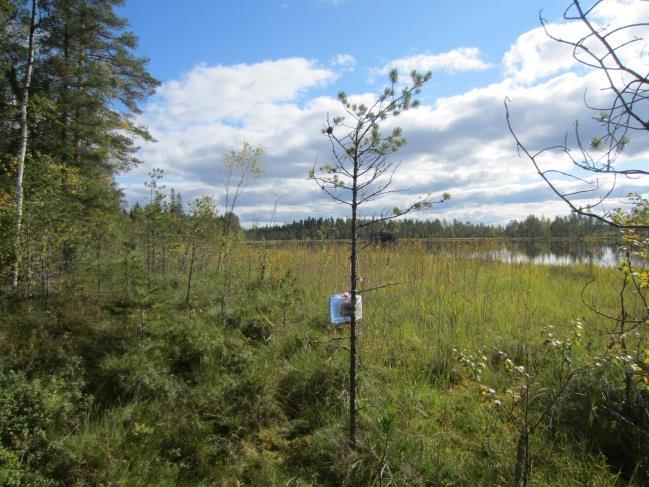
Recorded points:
256,395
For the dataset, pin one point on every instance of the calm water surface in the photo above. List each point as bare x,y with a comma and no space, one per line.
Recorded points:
599,252
555,252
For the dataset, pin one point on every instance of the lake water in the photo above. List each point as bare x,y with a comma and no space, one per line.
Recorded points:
548,252
599,252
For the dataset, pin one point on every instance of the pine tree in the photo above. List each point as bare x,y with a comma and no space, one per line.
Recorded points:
361,172
86,87
92,71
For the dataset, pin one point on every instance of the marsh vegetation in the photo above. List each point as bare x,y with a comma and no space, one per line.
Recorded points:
162,344
144,388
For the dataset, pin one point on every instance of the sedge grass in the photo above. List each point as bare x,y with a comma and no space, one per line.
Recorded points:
260,398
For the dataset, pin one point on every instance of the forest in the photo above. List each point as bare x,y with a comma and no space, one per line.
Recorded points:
531,227
166,342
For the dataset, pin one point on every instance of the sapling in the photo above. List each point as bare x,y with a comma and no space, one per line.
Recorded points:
240,167
585,173
361,172
525,403
152,212
201,223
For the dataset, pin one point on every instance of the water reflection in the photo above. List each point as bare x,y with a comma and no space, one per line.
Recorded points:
550,252
599,252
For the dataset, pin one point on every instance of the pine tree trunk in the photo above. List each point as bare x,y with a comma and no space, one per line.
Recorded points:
66,89
78,107
98,298
191,270
352,326
22,149
522,461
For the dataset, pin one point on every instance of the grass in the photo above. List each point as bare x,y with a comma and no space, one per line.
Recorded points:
260,398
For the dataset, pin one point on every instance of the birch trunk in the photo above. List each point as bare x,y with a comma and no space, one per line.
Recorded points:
22,149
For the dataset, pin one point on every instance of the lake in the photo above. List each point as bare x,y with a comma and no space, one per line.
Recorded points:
600,252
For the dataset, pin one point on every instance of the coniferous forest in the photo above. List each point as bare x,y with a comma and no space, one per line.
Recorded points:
167,342
572,226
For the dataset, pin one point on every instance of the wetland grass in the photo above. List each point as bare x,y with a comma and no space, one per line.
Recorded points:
260,398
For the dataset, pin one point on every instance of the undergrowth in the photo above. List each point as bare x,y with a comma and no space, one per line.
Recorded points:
117,392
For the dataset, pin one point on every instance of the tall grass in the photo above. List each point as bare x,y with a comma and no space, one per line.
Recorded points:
260,398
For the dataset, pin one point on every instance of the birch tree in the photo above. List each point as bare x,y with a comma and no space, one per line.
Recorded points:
22,146
240,168
616,55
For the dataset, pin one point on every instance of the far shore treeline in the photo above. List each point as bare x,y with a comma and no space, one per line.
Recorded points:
571,226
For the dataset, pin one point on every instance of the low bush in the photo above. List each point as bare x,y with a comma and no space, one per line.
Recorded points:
34,413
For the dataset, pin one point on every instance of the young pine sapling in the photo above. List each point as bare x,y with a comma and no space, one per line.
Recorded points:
362,172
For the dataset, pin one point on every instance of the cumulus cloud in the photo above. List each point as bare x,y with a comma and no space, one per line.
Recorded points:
459,59
458,144
535,55
209,93
344,61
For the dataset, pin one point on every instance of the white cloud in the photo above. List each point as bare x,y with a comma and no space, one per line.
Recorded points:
209,93
535,56
344,61
459,59
458,144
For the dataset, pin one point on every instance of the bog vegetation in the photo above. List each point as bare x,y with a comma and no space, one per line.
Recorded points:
111,375
165,345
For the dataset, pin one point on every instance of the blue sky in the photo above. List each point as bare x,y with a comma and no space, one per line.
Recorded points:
176,38
267,72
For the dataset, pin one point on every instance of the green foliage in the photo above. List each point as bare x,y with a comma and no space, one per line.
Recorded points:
596,410
361,151
531,227
34,413
525,398
245,162
107,379
138,375
86,87
310,389
261,397
240,167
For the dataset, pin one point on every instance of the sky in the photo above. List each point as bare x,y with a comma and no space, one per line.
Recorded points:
267,72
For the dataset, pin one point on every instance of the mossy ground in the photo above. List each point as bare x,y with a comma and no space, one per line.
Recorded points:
144,389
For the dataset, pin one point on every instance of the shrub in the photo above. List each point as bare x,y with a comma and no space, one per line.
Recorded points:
32,414
137,375
612,419
311,388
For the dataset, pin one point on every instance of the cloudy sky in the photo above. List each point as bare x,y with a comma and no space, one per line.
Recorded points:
268,71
